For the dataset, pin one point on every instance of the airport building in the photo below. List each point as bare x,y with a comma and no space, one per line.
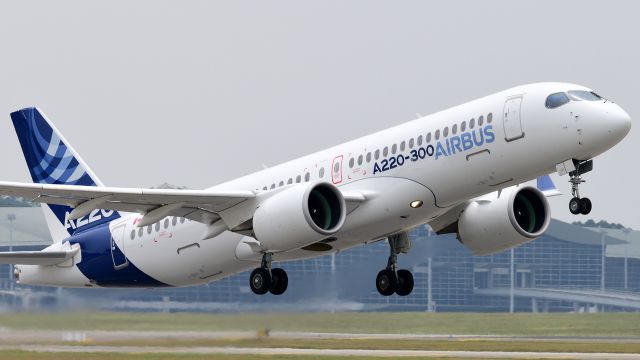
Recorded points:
569,269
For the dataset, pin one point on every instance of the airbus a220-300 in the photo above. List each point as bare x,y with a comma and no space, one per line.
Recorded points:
463,170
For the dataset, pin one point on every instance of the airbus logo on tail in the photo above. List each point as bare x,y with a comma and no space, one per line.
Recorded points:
94,216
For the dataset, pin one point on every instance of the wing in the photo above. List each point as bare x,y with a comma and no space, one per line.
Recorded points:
198,205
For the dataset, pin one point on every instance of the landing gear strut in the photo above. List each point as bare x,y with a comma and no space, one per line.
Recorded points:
391,280
578,205
265,279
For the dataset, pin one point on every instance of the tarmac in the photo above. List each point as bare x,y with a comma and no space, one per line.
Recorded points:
316,352
59,341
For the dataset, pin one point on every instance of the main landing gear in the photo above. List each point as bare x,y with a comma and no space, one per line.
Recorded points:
578,205
391,280
265,279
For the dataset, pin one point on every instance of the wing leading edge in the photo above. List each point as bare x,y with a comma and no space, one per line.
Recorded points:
198,205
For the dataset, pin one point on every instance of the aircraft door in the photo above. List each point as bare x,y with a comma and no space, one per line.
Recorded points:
336,170
117,247
512,120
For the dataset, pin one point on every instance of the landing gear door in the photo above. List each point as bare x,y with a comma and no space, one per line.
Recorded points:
512,120
336,170
117,247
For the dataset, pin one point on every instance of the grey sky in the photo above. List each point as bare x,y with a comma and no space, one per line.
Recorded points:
198,92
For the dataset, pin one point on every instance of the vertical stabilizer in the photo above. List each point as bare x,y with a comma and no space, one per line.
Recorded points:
52,160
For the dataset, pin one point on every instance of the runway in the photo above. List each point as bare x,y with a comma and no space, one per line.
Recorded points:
316,352
31,336
231,342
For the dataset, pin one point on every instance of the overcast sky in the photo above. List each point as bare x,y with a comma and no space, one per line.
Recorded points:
199,92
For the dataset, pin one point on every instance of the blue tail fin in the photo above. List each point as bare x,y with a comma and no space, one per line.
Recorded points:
546,185
52,160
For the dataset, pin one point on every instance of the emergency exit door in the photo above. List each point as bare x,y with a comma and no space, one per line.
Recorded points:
512,120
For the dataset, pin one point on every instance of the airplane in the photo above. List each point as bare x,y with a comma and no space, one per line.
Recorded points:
463,170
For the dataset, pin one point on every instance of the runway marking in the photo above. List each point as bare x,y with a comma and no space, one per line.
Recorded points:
316,352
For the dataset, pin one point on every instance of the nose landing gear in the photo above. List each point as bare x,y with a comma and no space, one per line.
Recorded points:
578,205
265,279
391,280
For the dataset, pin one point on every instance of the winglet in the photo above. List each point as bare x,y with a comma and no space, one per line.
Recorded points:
546,185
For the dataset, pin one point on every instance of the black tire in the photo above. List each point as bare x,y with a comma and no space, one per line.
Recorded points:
279,281
386,282
405,282
260,281
575,206
586,206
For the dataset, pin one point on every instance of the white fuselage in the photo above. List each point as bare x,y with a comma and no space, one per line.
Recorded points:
442,160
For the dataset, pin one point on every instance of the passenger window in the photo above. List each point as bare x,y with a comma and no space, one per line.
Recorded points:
556,100
454,129
157,226
182,220
437,134
472,123
174,221
149,229
298,179
307,176
321,173
273,186
351,163
403,146
480,120
290,181
428,139
394,148
376,155
166,223
139,232
489,118
385,151
411,143
281,184
133,234
419,140
445,133
360,160
463,126
369,157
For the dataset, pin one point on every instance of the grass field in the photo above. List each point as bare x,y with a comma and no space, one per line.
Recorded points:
603,324
625,325
24,355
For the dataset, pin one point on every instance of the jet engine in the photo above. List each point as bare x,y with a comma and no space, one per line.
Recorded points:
503,220
298,216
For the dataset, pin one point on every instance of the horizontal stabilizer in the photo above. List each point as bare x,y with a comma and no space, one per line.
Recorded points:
546,185
36,257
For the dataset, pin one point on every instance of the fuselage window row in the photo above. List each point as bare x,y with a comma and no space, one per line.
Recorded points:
375,155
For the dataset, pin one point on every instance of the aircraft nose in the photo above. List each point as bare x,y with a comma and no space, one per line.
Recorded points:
620,123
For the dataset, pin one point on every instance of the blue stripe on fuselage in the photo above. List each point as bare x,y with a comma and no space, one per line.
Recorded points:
97,261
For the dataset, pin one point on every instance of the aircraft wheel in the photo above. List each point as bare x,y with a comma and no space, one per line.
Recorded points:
279,281
386,282
586,206
575,206
405,282
260,281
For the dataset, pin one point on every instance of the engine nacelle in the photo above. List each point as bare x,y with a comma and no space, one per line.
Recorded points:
499,222
298,216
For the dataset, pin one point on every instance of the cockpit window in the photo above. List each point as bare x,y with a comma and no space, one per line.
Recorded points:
555,100
584,95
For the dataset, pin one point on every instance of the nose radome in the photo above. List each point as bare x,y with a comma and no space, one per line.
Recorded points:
621,123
